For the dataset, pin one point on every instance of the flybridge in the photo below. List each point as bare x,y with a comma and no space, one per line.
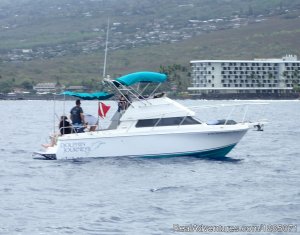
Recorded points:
124,85
126,80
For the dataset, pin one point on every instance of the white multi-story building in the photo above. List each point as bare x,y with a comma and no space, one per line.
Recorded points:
47,87
245,76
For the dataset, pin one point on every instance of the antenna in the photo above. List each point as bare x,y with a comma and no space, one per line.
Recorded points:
105,55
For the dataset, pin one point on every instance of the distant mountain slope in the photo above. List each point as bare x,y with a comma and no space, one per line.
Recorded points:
40,23
63,40
272,38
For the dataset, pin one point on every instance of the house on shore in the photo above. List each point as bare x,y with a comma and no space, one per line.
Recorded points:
48,87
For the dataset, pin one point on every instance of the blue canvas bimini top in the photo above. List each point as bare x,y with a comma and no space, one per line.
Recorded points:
150,77
89,96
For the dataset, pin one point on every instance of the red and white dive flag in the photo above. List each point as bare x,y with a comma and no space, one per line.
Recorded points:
103,109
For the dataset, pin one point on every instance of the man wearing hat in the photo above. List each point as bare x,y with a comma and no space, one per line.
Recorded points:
77,117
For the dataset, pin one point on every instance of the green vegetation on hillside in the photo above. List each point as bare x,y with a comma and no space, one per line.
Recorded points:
31,23
61,24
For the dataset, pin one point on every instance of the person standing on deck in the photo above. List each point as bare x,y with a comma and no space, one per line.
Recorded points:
77,117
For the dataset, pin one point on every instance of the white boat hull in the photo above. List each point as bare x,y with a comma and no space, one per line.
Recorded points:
202,140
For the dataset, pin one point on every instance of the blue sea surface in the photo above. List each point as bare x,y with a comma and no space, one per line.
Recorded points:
257,184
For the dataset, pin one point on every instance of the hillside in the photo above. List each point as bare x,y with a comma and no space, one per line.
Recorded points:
47,56
55,28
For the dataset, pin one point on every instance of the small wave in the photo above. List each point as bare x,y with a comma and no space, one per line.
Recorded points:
81,161
95,205
18,151
168,188
115,218
45,201
223,159
104,231
6,190
64,229
288,221
24,175
259,206
232,185
280,170
34,189
159,210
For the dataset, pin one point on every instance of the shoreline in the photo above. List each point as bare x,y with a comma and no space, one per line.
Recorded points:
192,97
293,96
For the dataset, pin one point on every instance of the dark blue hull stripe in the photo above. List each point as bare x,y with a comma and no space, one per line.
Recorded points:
213,153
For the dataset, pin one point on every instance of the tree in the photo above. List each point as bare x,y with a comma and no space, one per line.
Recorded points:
27,85
285,74
6,86
296,73
92,84
296,88
178,77
250,10
270,75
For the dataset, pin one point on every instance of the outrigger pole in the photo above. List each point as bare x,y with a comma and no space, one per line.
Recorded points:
105,54
105,61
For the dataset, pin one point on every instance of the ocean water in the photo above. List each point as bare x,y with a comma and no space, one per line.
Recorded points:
258,184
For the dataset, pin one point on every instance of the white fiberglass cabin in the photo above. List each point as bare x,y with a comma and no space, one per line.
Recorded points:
152,126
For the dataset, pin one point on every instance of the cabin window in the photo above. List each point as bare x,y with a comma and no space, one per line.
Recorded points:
190,121
146,122
173,121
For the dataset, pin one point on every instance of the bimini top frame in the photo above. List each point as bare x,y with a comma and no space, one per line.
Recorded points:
124,84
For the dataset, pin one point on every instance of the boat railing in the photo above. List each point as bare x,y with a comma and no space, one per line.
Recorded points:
124,90
134,92
183,119
65,127
179,124
159,119
229,115
226,121
130,126
233,110
153,92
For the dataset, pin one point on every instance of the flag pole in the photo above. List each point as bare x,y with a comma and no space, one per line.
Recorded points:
98,123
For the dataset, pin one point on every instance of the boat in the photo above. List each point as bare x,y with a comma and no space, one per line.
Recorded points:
151,125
